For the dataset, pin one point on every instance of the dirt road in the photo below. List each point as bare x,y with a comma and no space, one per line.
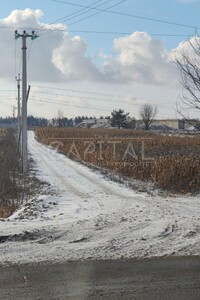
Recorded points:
165,278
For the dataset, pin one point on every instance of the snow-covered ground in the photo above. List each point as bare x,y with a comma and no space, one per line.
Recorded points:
85,216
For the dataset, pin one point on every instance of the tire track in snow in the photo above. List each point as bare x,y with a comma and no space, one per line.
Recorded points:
54,172
78,179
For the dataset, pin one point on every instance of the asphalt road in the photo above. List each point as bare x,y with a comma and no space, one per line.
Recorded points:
157,278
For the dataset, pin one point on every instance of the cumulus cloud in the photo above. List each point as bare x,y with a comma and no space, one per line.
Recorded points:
140,59
136,59
56,56
23,18
187,48
71,59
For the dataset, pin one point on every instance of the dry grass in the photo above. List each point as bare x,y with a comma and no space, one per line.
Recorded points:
3,132
171,162
8,166
7,209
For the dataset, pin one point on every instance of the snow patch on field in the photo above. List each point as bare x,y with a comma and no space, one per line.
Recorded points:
89,217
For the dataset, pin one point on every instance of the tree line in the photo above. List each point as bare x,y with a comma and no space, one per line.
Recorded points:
118,118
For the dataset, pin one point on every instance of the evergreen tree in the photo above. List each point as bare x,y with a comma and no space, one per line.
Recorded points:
119,118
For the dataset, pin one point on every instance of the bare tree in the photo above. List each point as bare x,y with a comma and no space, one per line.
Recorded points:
188,63
148,113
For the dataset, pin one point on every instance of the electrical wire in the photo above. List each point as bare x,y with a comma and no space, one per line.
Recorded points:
79,91
129,97
72,16
67,104
96,13
20,60
29,53
102,109
128,33
73,96
130,15
74,13
119,101
188,36
103,32
15,56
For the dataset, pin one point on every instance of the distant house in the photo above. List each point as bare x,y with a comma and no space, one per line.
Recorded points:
171,123
94,123
88,123
180,124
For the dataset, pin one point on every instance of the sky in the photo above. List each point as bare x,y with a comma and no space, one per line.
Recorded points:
94,56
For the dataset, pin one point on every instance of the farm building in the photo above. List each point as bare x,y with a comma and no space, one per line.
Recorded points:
171,123
178,124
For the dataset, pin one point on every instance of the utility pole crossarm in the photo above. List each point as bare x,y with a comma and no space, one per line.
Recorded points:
33,36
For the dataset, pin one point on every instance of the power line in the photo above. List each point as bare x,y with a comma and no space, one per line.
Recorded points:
127,33
101,32
74,13
160,102
98,12
118,32
30,48
67,104
130,15
194,27
73,96
131,97
17,68
79,91
106,32
82,11
15,56
101,109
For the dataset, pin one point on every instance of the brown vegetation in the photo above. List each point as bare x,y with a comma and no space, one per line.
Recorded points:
171,162
8,166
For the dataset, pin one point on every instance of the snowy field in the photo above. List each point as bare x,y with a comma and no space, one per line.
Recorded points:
85,216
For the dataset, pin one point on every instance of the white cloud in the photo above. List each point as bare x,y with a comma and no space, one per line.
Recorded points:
23,18
187,48
56,56
140,59
70,58
136,59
